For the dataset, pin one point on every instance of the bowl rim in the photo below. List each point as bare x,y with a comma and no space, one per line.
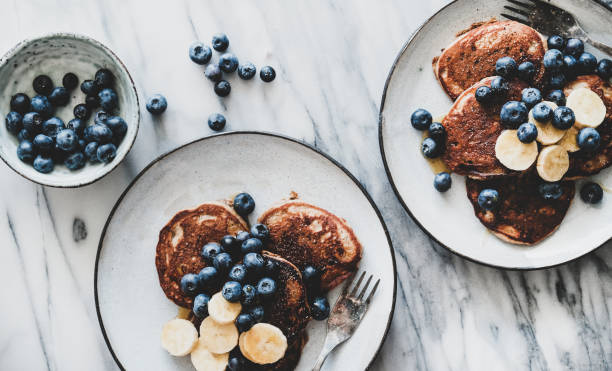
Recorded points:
87,39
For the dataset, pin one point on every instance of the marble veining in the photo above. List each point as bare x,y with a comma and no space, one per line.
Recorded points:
331,58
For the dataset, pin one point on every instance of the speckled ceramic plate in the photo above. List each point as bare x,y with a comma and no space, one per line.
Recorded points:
132,307
449,218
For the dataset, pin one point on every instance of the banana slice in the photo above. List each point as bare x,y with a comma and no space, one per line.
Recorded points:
243,350
218,338
553,163
221,310
588,107
569,140
547,133
514,154
204,360
263,344
179,336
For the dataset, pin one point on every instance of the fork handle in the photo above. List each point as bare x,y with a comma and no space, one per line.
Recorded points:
601,46
327,349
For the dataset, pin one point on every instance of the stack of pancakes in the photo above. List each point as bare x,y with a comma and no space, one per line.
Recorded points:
522,216
300,235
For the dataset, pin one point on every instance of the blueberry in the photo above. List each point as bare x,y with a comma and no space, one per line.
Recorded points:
220,42
70,81
557,97
41,104
24,134
531,97
556,42
238,273
249,295
488,199
442,181
98,133
260,231
104,78
43,144
230,244
506,67
527,132
266,287
20,103
319,308
157,104
484,95
216,121
91,152
32,122
267,74
236,364
257,312
67,140
59,96
200,305
513,114
587,63
570,66
200,53
604,69
242,235
430,148
213,72
550,191
526,71
223,88
109,100
244,204
42,85
13,121
271,268
311,277
25,151
563,118
573,47
92,102
223,262
118,126
77,125
500,87
542,112
58,155
247,71
252,245
190,284
588,139
556,80
553,59
75,161
43,164
232,291
106,152
52,127
244,322
591,193
89,87
81,111
228,62
254,263
420,119
436,131
210,250
100,117
209,277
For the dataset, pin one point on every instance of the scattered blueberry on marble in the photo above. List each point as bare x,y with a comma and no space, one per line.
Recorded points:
20,102
591,193
213,72
267,74
200,53
70,81
527,132
442,181
42,85
216,121
228,62
157,104
244,204
550,191
588,139
488,199
247,71
421,119
526,71
220,42
223,88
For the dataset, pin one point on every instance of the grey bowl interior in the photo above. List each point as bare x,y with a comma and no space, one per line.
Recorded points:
55,55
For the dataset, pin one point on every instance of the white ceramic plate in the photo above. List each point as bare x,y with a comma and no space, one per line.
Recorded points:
449,218
132,307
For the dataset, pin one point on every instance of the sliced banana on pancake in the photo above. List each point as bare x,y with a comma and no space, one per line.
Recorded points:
553,163
547,133
221,310
514,154
179,336
204,360
569,140
589,109
263,344
218,338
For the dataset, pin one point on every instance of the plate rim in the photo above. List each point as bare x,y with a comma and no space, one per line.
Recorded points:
248,132
381,122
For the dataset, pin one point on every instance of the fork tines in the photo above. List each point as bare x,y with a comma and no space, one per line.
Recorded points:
524,11
355,289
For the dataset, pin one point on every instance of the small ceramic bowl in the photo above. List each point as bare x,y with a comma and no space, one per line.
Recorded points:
55,55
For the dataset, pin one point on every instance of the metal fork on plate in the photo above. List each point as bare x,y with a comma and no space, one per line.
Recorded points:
551,20
346,316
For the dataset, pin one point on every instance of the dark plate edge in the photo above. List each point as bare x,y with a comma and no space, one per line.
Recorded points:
312,148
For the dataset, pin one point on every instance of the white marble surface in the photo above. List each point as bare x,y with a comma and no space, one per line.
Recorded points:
332,58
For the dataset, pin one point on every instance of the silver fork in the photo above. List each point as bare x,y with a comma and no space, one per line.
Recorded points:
346,316
551,20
